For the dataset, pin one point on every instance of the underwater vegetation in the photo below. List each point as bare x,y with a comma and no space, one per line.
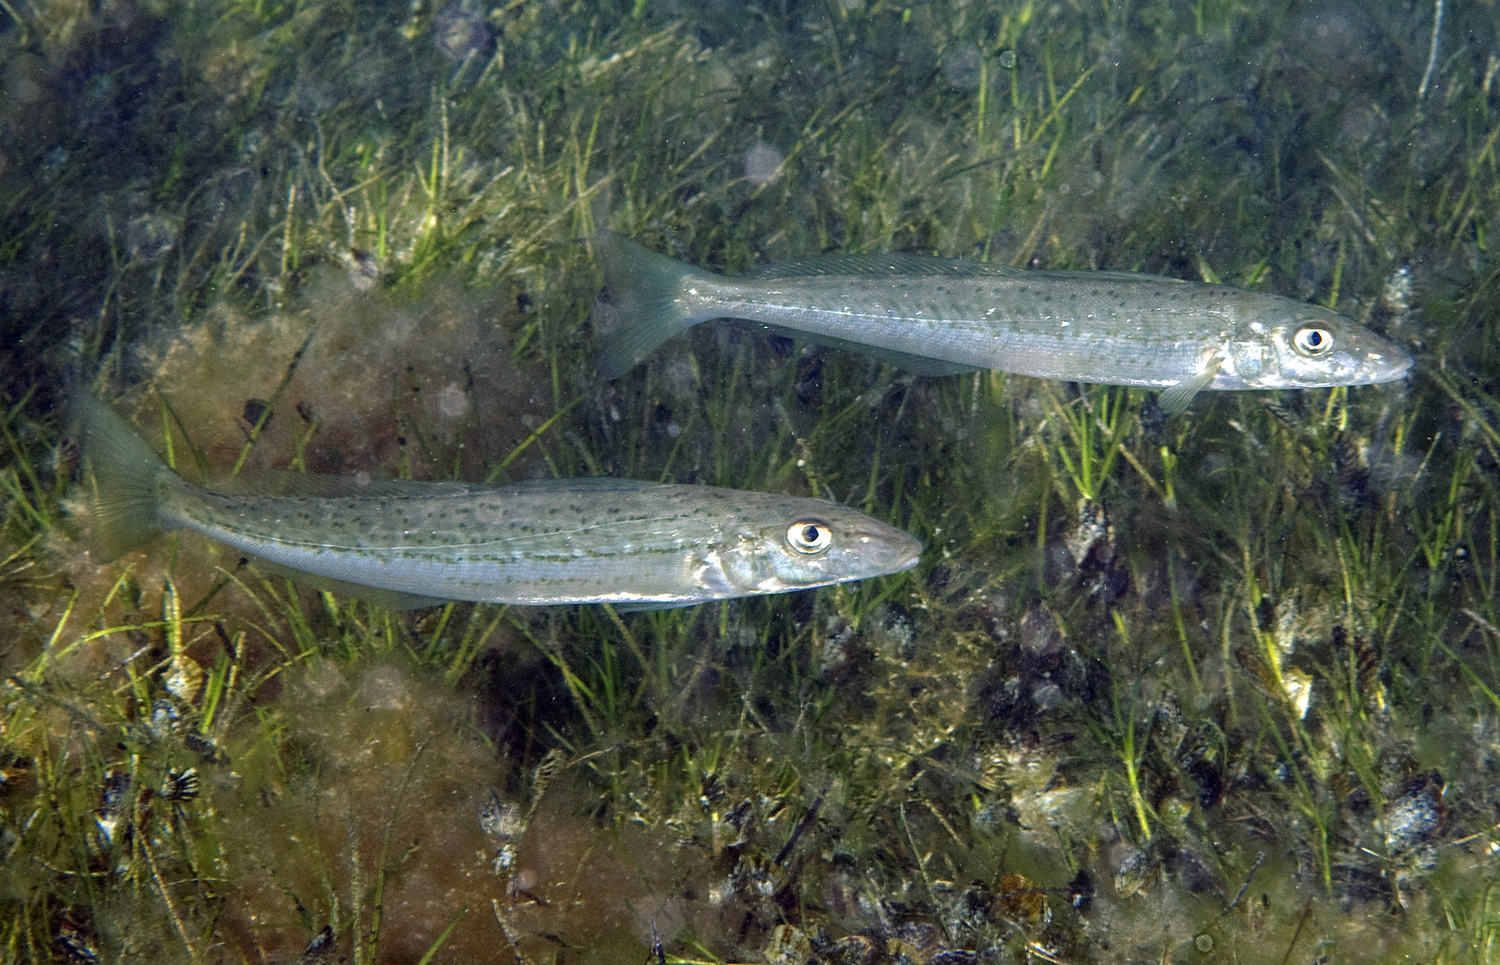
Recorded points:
1218,686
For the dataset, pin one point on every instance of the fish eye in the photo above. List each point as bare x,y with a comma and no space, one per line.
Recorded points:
1312,341
809,536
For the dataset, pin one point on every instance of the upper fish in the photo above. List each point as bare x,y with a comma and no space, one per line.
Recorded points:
936,316
619,541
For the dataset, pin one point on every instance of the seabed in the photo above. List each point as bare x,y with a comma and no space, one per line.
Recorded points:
1221,687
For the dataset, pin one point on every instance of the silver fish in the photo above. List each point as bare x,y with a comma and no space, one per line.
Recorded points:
620,541
937,316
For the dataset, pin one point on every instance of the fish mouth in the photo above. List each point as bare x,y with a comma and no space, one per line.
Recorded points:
1388,365
903,553
880,550
1371,360
1402,365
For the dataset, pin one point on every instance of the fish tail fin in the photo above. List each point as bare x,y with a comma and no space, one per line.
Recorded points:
125,491
644,307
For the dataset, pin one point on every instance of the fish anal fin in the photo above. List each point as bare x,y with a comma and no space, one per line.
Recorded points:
378,596
915,364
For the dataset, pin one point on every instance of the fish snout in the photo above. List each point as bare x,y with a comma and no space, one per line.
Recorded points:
886,549
1398,363
1382,361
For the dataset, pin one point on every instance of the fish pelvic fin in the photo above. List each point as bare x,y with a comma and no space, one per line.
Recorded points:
644,307
125,480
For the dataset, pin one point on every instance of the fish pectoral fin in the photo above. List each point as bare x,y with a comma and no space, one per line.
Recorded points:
1175,400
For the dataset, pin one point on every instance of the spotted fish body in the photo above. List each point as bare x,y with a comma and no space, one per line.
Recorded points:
547,542
936,316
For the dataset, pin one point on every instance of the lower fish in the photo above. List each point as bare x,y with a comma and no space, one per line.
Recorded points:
406,544
937,316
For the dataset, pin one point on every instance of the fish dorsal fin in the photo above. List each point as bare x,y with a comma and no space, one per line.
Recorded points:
1105,277
586,484
888,264
286,482
311,485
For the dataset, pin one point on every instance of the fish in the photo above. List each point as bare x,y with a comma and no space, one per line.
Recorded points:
636,544
938,316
